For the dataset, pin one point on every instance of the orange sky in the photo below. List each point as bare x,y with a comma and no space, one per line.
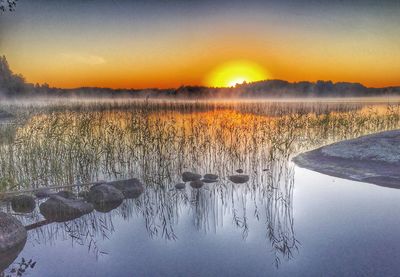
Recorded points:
171,48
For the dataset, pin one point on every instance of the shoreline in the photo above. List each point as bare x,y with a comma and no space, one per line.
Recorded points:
373,159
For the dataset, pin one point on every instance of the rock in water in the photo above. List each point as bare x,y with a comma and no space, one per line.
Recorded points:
180,186
372,159
190,176
211,177
83,194
7,257
44,193
239,179
105,194
12,240
209,180
131,188
12,232
23,204
196,184
66,194
60,209
107,207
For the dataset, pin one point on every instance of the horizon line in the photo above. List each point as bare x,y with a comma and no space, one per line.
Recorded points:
237,86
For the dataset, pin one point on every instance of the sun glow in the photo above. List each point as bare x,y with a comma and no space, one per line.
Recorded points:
235,72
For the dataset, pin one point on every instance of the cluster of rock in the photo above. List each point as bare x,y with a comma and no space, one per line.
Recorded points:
64,205
104,197
60,207
197,181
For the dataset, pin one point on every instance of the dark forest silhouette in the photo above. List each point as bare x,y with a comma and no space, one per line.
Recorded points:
14,86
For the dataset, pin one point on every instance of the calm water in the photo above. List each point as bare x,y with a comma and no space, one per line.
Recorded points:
286,221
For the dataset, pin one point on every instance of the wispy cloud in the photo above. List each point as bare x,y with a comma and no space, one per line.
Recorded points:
83,58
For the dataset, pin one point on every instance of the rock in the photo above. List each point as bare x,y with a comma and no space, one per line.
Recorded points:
105,194
131,188
210,177
239,170
371,159
23,204
66,194
13,237
60,209
209,180
196,184
12,232
7,257
180,186
83,194
107,207
190,176
44,193
239,179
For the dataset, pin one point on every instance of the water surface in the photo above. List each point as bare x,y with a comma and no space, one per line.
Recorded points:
285,221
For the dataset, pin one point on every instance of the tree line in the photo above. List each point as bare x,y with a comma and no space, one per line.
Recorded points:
15,86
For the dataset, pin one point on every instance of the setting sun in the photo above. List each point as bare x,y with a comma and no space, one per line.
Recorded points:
235,72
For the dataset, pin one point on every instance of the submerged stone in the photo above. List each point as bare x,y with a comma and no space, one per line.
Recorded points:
210,176
197,184
209,180
180,186
12,232
239,179
8,256
190,176
66,194
60,209
83,194
13,237
23,204
106,207
105,194
44,193
131,188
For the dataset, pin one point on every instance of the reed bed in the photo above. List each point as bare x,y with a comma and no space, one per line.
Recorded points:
75,143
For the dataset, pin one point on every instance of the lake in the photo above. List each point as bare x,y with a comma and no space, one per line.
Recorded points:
285,221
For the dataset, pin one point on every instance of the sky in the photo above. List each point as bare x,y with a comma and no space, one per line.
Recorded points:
169,43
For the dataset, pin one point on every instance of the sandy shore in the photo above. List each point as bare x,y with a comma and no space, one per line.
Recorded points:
372,159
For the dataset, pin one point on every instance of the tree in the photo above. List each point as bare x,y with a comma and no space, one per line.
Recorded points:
10,83
8,5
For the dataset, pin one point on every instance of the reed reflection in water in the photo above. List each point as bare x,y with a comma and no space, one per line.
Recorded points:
268,197
56,148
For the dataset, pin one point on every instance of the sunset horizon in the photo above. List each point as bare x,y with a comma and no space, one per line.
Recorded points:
228,82
125,44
